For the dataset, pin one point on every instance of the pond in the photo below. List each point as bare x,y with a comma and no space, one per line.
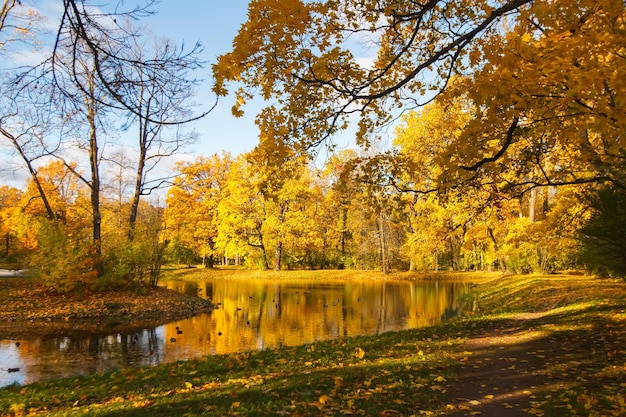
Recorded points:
250,315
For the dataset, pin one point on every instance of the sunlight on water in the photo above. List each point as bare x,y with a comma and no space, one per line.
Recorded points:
251,315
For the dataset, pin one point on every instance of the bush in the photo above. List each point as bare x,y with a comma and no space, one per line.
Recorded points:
133,264
65,264
603,238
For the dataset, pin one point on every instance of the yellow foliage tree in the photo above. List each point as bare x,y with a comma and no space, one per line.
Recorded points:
193,201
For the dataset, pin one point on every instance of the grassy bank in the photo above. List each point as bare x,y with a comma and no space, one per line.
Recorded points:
414,372
234,273
29,308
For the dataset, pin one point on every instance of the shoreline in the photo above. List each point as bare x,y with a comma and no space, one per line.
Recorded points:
31,310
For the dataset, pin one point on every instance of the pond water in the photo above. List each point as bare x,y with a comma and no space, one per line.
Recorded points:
251,315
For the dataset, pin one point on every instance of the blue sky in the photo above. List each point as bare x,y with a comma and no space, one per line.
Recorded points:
214,23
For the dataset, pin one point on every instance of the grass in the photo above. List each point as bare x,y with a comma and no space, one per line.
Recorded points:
233,273
399,373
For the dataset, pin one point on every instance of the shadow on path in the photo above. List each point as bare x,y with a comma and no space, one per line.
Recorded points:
512,366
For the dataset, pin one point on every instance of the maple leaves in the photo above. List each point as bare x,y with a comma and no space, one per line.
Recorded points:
569,127
541,83
318,75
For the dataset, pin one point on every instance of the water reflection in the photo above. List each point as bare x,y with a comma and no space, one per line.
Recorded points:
251,315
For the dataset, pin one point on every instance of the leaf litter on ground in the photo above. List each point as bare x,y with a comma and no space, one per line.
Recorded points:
559,339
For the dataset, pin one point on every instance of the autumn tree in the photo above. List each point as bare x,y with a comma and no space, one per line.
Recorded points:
292,213
242,215
24,129
339,192
192,204
541,81
99,64
9,199
564,127
309,56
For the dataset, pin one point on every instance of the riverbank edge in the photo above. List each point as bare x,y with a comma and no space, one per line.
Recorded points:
31,310
235,273
571,326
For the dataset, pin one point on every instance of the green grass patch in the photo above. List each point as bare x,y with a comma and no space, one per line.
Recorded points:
399,373
363,375
203,274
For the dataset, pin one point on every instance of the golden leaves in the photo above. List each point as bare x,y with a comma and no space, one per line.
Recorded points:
359,353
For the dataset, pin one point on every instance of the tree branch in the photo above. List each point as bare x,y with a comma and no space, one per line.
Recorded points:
507,142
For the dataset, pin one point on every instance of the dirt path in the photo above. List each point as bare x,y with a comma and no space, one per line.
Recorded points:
509,368
502,375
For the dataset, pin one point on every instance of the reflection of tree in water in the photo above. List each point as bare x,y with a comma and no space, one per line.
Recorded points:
253,315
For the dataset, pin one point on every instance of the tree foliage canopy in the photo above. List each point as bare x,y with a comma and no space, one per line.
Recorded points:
543,78
495,104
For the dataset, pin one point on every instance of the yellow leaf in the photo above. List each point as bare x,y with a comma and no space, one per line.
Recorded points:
440,379
323,399
188,385
359,353
236,404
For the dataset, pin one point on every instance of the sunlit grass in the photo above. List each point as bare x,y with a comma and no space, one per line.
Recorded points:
398,373
202,274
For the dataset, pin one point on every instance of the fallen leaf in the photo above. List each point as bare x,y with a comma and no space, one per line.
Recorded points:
323,399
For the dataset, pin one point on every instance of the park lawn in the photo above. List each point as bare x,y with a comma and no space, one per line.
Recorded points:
410,372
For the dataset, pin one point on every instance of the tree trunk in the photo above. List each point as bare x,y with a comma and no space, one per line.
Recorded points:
266,265
278,254
344,229
546,201
95,182
496,247
139,178
532,203
384,261
134,206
